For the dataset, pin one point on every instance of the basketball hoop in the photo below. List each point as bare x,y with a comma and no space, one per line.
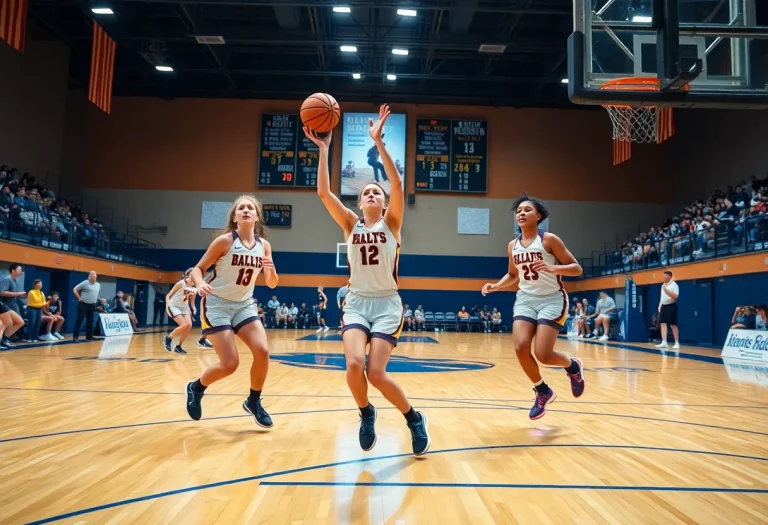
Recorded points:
635,124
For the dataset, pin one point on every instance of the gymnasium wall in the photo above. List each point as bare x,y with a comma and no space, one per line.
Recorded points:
175,154
33,96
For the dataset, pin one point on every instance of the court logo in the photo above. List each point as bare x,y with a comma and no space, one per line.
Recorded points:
397,364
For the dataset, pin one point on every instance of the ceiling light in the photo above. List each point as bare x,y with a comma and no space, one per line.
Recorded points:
165,69
564,81
642,19
349,49
397,51
102,11
342,9
390,76
356,76
406,12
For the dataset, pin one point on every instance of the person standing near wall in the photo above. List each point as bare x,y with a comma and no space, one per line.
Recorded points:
87,294
668,310
159,305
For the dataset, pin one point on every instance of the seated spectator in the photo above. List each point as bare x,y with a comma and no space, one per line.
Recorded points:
761,319
304,316
418,318
744,318
463,314
35,302
603,313
103,307
586,320
654,332
272,306
52,314
485,319
408,317
282,315
121,306
496,320
292,313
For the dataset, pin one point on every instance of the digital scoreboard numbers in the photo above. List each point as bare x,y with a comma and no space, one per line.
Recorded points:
451,155
277,214
288,158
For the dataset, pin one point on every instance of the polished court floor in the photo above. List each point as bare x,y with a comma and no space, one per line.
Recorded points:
97,433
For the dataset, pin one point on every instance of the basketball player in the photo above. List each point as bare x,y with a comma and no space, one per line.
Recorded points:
322,305
179,300
372,312
10,322
541,304
227,307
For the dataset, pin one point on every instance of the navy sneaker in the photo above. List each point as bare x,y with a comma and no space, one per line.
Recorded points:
539,407
168,342
368,431
194,409
419,436
179,350
204,343
259,414
577,379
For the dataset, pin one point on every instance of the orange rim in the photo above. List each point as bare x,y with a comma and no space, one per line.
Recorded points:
632,84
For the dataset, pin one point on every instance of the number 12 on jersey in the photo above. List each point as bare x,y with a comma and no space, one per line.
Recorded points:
369,254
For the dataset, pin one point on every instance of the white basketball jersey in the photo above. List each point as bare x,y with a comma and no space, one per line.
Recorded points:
180,299
372,255
532,282
234,275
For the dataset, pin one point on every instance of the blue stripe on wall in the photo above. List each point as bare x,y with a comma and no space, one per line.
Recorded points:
325,264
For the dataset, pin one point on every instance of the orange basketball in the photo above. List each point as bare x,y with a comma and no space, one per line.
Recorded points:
320,112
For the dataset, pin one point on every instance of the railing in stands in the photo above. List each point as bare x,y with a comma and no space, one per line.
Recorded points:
53,231
722,240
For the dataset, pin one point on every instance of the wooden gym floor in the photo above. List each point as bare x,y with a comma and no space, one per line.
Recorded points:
97,433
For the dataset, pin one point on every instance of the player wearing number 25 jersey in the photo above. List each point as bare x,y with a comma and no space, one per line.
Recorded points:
227,307
536,262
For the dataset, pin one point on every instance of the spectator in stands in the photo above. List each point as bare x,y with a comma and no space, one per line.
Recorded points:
87,295
53,309
272,306
304,316
670,292
292,313
408,317
103,307
35,302
496,320
418,318
128,303
463,314
11,294
282,315
761,319
743,317
585,323
605,306
485,319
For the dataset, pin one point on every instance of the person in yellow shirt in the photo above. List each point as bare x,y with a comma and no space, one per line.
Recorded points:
35,302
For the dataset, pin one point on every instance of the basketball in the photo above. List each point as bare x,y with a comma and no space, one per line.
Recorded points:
320,112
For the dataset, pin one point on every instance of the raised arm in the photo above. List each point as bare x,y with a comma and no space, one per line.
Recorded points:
394,214
343,216
218,249
510,279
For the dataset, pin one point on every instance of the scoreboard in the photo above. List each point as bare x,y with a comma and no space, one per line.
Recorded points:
277,214
287,158
451,155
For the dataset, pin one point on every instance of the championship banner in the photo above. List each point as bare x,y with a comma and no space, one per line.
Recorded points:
13,22
115,324
102,69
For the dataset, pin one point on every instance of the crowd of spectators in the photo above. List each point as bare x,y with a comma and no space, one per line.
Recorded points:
28,206
731,217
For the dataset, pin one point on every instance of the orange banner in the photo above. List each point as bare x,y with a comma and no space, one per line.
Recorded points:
13,22
102,69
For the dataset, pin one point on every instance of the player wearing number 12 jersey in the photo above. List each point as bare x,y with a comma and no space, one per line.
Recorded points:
228,308
536,262
372,312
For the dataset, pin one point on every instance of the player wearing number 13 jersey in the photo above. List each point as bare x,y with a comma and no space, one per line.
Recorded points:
537,260
372,312
228,308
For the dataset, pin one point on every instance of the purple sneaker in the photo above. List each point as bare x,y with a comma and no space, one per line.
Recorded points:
539,407
577,379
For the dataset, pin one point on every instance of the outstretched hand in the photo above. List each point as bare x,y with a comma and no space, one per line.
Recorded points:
376,128
321,142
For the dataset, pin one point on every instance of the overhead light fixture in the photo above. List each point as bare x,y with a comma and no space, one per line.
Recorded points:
390,76
356,76
564,81
349,49
102,11
164,69
398,51
642,19
406,12
342,9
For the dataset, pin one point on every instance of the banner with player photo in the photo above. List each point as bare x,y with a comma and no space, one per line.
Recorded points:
360,160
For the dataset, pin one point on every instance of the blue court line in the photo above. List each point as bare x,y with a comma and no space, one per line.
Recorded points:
346,396
66,342
654,351
246,479
507,486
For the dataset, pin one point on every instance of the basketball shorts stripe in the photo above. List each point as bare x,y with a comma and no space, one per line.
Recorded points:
173,311
378,317
219,314
549,309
